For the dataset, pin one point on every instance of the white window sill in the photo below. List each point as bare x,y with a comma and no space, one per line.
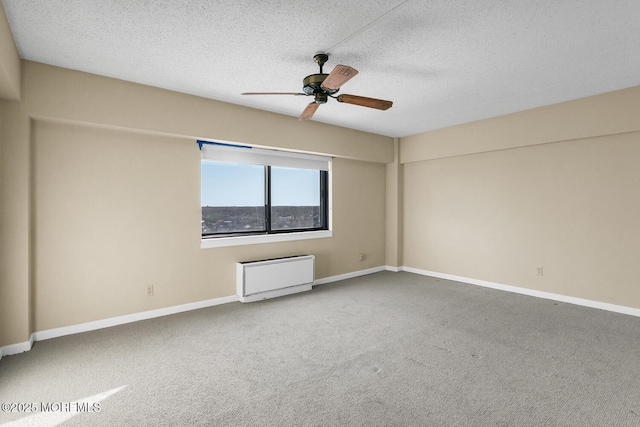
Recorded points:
220,242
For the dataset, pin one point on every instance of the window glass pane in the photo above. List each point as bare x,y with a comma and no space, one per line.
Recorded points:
232,197
295,198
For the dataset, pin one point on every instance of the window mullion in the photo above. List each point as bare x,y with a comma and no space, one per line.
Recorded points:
324,198
267,198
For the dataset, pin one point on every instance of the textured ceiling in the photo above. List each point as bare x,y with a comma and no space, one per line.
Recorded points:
441,62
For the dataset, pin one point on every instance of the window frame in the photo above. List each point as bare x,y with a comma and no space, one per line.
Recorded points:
230,154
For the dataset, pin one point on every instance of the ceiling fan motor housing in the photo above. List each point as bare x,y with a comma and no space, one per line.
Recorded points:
312,85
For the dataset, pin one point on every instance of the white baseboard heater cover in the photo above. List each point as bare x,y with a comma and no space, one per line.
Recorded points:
270,278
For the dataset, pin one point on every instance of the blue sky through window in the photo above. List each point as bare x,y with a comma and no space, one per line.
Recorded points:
295,187
229,184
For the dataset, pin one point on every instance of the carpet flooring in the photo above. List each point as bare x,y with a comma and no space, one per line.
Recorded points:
387,349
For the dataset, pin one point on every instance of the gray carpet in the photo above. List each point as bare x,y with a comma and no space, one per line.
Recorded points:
384,349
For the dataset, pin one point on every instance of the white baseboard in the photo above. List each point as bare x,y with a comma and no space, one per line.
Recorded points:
129,318
530,292
351,275
106,323
20,347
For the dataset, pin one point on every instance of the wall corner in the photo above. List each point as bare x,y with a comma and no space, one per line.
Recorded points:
394,204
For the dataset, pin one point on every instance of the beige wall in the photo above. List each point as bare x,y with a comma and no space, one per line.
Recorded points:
2,291
14,243
65,95
606,114
489,207
102,178
15,218
9,62
116,210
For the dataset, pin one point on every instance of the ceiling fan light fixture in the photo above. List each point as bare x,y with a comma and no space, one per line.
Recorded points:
321,97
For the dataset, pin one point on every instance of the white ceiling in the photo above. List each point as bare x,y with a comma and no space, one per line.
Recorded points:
441,62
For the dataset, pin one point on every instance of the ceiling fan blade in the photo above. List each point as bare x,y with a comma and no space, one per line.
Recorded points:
309,111
339,76
379,104
274,93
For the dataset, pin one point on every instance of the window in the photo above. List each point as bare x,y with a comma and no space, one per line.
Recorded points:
295,199
254,192
232,198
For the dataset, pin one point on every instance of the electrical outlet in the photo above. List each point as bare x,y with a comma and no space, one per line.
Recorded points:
540,271
362,257
149,290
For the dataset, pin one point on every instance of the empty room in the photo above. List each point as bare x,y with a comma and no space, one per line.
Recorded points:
348,213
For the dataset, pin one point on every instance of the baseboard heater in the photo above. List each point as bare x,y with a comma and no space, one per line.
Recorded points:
270,278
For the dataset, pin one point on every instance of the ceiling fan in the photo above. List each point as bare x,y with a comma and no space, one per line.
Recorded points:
324,86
